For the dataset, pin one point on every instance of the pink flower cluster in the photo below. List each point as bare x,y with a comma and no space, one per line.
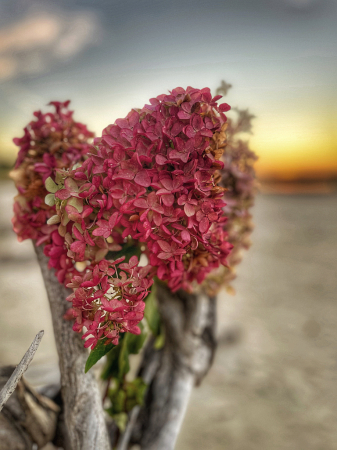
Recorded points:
150,183
108,300
238,177
152,178
53,140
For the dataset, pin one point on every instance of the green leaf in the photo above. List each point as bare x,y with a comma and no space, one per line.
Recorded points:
126,395
97,353
121,420
53,220
77,203
71,185
50,199
111,368
58,178
135,391
160,341
117,397
128,250
50,185
132,343
151,312
76,166
117,365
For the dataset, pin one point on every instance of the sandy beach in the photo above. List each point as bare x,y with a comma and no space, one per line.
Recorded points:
273,382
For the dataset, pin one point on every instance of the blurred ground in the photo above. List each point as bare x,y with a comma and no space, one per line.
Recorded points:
273,383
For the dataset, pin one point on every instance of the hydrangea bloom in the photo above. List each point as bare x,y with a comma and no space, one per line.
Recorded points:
238,177
153,178
51,141
150,184
108,300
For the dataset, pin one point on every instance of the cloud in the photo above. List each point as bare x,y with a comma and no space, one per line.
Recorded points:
36,43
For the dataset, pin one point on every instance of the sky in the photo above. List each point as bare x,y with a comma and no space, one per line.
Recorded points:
107,56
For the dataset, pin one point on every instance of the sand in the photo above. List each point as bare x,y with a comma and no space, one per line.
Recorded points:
273,385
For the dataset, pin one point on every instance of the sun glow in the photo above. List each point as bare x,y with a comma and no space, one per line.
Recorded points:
302,147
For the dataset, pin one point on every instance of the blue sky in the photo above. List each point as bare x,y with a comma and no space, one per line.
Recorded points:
109,56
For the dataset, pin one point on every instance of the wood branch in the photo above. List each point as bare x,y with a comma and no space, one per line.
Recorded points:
20,369
147,374
83,412
190,322
27,417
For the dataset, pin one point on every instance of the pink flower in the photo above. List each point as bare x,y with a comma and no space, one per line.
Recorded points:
205,216
105,227
149,182
79,246
51,140
170,251
189,204
108,306
152,207
70,190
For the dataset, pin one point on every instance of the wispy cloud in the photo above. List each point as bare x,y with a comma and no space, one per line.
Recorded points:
36,43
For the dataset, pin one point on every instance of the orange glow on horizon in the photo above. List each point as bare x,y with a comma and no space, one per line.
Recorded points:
287,171
299,153
296,152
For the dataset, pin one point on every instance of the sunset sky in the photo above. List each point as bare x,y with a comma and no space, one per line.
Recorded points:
109,56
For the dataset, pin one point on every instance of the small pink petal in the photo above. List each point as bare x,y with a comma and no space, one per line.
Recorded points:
161,271
183,115
206,132
204,225
122,123
77,246
157,218
185,236
143,179
161,160
63,194
140,203
164,245
113,220
189,210
168,200
177,128
189,131
224,107
216,98
167,183
134,330
164,255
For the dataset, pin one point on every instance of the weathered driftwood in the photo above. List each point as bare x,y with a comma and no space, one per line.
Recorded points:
190,322
171,373
27,417
20,369
83,412
147,373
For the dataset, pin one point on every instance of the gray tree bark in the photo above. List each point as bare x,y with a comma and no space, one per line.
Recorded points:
83,411
189,321
20,369
27,417
190,342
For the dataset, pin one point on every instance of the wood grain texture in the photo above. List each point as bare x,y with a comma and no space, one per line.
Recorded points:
19,370
190,322
83,412
27,417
